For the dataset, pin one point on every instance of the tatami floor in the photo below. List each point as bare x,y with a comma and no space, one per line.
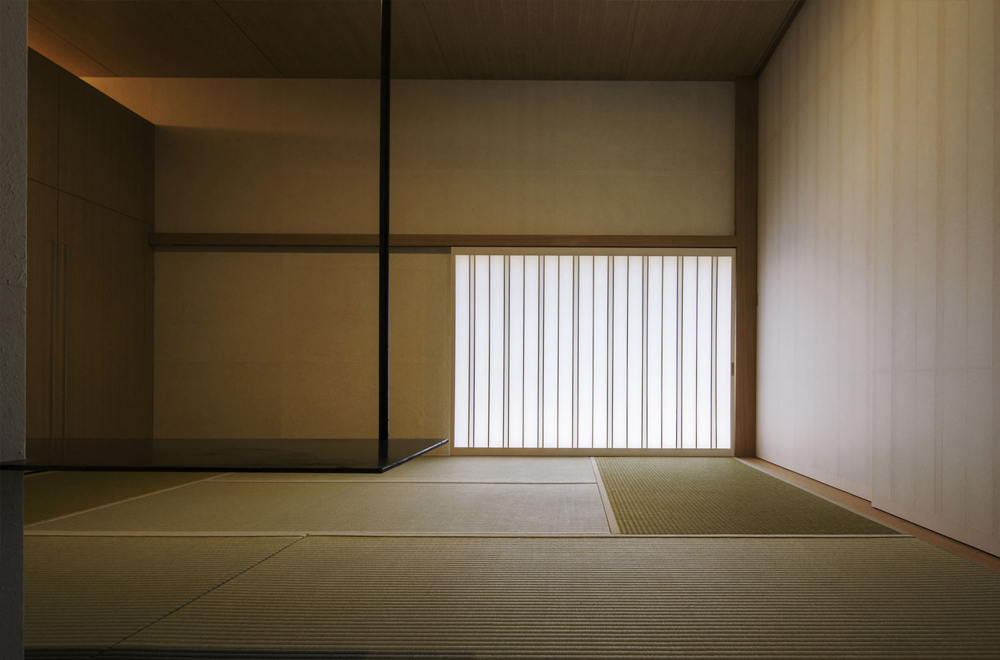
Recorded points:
487,557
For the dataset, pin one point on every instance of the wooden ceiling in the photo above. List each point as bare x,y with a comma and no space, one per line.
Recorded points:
438,39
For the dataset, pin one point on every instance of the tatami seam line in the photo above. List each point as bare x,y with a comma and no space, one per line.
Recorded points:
403,481
127,499
608,511
450,535
201,595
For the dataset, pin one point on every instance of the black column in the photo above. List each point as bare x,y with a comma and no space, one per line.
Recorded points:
383,236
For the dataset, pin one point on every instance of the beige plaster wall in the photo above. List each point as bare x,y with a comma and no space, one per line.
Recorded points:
879,258
492,157
272,345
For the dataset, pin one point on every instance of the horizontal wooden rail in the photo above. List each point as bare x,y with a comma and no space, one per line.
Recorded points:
206,240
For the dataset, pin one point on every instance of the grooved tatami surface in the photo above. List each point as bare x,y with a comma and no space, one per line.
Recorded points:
51,494
691,495
471,589
94,591
210,506
613,597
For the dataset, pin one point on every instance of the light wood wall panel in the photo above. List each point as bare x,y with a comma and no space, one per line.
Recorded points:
105,150
880,282
90,267
43,236
814,248
469,157
107,359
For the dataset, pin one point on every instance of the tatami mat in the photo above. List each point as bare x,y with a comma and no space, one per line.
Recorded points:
607,597
214,506
688,495
89,593
458,469
51,494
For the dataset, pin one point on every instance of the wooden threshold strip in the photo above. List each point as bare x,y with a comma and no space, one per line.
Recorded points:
206,240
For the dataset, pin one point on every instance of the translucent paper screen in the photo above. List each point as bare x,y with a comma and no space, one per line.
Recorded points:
604,352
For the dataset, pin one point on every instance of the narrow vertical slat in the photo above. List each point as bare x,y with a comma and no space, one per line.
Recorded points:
611,352
725,352
697,337
593,350
541,340
472,351
576,351
678,389
715,346
524,346
506,351
489,353
645,365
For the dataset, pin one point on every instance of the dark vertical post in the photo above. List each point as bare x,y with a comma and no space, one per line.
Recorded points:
385,81
745,436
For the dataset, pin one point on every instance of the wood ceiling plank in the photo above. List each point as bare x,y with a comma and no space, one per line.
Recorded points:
416,53
534,39
154,39
702,40
437,39
313,38
53,47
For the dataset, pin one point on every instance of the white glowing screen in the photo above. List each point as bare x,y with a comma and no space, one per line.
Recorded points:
577,351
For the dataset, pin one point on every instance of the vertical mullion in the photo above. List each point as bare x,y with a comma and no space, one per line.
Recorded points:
593,349
611,353
489,348
505,439
679,439
472,349
645,357
524,346
576,351
663,375
541,340
714,348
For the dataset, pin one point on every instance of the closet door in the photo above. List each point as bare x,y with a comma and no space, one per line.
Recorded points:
106,264
43,391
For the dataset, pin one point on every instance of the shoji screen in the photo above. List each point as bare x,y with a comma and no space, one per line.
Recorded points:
611,351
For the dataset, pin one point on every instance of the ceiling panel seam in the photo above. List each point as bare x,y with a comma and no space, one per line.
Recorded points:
255,45
631,40
437,41
73,45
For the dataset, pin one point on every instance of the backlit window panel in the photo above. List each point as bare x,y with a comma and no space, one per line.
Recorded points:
593,351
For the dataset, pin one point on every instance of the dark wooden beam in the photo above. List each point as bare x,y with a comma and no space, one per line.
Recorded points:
745,435
385,85
278,241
